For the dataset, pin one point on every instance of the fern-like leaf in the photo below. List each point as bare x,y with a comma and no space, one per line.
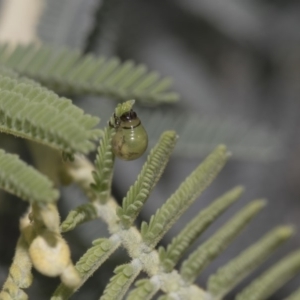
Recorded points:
145,290
89,263
120,283
124,107
170,256
147,179
104,167
18,178
20,276
65,22
31,111
271,280
228,276
187,192
66,71
79,215
202,256
199,133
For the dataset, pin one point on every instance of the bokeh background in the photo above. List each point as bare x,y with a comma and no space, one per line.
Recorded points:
236,65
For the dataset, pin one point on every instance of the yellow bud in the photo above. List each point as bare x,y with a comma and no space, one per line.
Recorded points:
49,253
50,216
70,277
45,215
5,296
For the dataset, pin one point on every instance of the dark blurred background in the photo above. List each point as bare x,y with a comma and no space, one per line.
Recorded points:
236,65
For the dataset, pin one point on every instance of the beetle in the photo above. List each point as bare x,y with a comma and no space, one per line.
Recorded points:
131,139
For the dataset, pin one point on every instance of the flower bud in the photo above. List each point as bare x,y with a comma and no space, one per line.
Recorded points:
49,253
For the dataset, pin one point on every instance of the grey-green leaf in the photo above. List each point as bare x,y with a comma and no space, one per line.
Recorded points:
228,276
104,164
199,134
79,215
120,282
273,279
68,72
92,259
30,111
22,180
206,252
170,256
185,195
147,179
145,290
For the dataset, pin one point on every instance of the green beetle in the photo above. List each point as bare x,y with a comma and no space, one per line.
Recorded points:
130,140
